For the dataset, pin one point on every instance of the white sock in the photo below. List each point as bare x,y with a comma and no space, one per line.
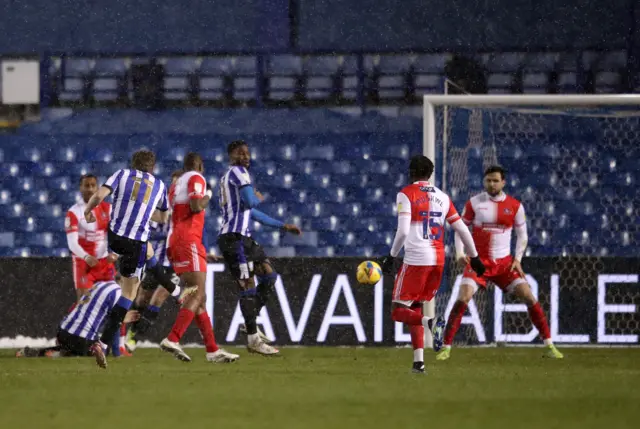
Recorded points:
548,342
425,321
418,355
253,338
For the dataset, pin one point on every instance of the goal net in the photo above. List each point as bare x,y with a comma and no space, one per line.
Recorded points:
573,162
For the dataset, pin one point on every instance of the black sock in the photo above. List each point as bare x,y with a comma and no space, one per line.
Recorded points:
114,320
264,288
249,307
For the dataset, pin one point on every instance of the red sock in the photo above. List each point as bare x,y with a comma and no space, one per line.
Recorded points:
123,330
539,321
407,316
453,324
417,331
204,324
184,319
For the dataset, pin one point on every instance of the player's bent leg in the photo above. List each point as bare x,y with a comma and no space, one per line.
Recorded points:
467,289
417,342
522,291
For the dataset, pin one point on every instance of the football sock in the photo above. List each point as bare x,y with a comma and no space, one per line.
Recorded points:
249,307
454,321
418,355
417,334
123,333
265,288
183,320
204,325
114,320
540,322
115,345
408,316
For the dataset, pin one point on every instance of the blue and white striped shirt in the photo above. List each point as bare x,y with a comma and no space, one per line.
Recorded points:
235,215
135,197
158,240
87,317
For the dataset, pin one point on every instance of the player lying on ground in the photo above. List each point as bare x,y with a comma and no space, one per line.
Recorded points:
422,212
492,215
79,331
138,198
243,256
87,242
189,198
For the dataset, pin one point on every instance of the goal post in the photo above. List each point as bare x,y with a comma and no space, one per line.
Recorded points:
463,134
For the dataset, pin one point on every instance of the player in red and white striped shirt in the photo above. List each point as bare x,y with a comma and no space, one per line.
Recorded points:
189,198
422,211
88,241
492,216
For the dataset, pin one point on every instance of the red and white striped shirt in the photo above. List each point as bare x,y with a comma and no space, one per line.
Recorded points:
492,219
92,237
429,209
186,225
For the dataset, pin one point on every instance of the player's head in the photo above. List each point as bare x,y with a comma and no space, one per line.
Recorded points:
88,186
494,180
193,162
238,151
420,168
175,175
143,160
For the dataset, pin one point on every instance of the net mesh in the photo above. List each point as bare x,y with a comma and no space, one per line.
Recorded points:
574,171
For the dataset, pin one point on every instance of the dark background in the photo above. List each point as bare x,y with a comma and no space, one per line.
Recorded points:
103,26
36,293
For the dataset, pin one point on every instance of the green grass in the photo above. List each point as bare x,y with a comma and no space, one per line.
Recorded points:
327,388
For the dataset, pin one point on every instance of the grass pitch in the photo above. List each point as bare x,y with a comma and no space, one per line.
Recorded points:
326,388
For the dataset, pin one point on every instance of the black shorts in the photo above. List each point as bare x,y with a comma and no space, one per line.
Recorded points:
73,344
150,281
132,254
238,249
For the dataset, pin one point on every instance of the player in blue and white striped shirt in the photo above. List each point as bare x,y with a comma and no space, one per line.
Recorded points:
241,253
138,198
79,330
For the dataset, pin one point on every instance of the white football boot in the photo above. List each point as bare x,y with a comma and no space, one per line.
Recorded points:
256,345
175,350
222,356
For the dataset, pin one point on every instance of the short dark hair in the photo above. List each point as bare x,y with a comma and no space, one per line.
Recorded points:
496,169
88,176
143,160
235,145
420,167
191,160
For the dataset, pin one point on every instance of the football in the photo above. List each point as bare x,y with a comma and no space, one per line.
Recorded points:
369,273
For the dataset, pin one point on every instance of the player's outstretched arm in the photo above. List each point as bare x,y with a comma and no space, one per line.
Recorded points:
249,197
267,220
95,200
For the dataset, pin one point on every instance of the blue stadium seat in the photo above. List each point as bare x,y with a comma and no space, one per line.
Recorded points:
320,72
7,239
181,66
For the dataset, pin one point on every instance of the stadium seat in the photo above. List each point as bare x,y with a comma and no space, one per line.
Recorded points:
320,72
